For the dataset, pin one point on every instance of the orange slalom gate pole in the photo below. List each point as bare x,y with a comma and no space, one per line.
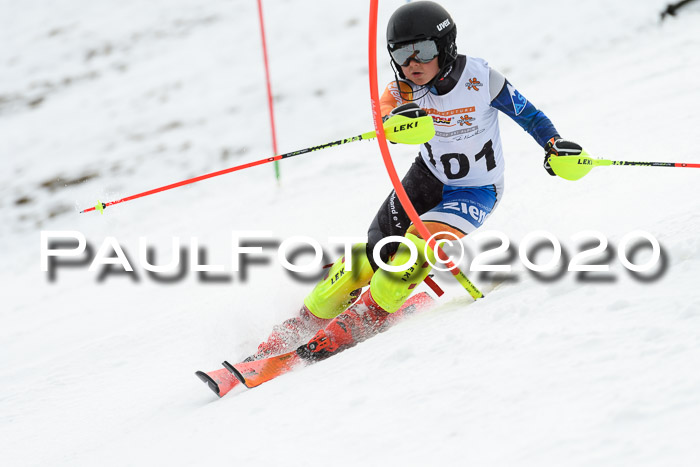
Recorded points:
388,162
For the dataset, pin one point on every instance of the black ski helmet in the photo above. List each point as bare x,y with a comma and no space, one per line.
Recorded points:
423,20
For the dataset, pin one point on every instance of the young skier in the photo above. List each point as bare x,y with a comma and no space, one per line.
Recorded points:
455,183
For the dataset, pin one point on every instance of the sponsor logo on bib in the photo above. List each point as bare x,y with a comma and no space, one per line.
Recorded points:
465,120
474,84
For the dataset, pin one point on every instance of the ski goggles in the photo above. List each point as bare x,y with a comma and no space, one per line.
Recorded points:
421,51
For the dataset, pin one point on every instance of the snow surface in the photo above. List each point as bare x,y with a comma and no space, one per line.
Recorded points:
103,99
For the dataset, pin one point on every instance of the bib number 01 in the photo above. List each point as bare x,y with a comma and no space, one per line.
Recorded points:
460,161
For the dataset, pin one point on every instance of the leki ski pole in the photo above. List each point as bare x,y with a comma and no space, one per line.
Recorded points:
576,167
399,129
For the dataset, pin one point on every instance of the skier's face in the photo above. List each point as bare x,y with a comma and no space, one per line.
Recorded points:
421,73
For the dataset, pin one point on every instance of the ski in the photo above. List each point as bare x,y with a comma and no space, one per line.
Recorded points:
256,372
220,381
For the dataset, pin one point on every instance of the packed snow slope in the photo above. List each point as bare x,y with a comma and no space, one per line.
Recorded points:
100,100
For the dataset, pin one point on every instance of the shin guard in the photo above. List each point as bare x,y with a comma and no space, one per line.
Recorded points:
391,289
340,288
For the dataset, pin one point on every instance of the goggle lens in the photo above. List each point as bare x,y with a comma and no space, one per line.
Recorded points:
422,52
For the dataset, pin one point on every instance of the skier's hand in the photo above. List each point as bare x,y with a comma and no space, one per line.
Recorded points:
410,110
559,147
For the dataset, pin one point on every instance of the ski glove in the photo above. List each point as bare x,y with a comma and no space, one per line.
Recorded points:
559,147
410,110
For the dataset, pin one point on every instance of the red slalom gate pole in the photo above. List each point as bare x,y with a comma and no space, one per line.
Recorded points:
269,89
388,162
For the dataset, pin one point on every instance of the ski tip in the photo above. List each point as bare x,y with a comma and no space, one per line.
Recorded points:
235,372
210,382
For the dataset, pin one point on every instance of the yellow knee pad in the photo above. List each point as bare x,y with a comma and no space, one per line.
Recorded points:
391,289
332,296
